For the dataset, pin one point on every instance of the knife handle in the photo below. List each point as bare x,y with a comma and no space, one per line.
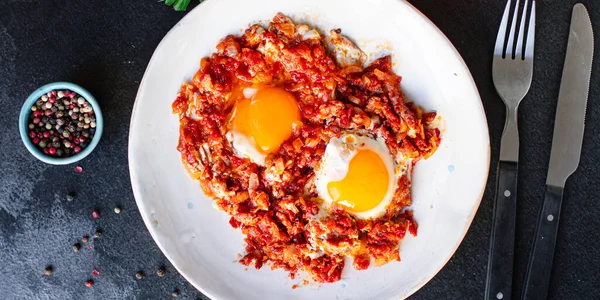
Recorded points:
502,245
539,269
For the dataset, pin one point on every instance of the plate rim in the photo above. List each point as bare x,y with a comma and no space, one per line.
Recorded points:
468,222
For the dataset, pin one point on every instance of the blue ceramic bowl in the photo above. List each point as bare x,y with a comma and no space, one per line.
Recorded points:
24,121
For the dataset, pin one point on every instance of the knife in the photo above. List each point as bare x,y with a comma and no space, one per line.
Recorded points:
566,149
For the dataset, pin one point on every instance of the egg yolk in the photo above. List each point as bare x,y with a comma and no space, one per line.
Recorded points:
365,184
268,117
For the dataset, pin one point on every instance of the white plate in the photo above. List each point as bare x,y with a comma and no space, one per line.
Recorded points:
447,188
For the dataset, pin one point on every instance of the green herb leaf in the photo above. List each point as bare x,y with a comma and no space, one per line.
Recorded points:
181,5
178,5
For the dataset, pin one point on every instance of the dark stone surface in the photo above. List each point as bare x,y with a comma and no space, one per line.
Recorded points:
105,47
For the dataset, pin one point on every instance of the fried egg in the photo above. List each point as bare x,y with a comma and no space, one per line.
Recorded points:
358,173
261,121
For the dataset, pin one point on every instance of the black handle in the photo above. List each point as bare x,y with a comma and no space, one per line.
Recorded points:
502,246
539,269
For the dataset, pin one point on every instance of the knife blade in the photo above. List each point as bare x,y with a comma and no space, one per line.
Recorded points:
572,99
566,149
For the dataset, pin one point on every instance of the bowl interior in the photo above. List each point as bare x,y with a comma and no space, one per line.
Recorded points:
26,111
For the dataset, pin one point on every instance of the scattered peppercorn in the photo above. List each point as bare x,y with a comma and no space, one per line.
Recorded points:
161,271
78,169
70,197
89,283
117,210
175,293
48,271
54,119
85,239
139,275
76,247
95,214
98,233
95,273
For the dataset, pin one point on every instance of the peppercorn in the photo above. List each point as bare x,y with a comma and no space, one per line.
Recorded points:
78,169
48,271
161,271
95,214
76,247
117,210
175,293
70,197
139,275
95,273
85,238
98,233
89,283
49,113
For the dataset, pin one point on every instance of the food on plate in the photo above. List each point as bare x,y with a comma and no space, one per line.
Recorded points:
309,151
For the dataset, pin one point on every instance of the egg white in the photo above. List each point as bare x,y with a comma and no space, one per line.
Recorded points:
334,167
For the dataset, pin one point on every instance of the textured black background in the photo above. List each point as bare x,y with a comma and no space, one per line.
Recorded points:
105,47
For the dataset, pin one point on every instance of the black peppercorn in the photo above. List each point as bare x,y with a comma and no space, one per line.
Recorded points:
70,197
48,271
139,275
161,271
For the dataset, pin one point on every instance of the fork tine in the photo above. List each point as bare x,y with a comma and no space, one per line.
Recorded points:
519,50
530,34
511,36
499,48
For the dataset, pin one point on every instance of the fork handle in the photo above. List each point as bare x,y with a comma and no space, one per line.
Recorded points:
502,245
539,269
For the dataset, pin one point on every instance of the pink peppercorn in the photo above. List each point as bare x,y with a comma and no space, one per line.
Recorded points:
95,273
95,214
71,106
81,138
40,135
46,134
46,151
52,150
78,169
32,134
77,149
72,94
36,120
48,112
36,140
76,141
53,93
51,99
89,283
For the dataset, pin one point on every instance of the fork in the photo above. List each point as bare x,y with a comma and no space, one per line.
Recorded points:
512,71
